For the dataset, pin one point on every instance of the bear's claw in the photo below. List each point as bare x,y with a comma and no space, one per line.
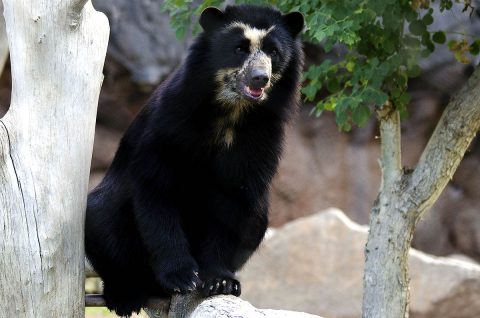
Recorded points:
180,281
221,286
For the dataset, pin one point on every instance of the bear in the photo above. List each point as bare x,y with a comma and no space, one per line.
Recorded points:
185,201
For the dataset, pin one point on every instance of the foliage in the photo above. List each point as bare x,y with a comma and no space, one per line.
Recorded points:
375,47
183,12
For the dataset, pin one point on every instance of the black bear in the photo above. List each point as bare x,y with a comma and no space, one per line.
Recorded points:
185,201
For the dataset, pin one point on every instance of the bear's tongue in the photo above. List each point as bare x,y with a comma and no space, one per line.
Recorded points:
254,92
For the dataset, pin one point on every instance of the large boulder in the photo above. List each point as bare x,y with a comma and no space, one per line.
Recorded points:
315,265
142,39
323,167
104,147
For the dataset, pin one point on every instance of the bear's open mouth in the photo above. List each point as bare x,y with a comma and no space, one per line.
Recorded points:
254,93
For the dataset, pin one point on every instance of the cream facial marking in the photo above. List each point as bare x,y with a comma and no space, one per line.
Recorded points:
233,90
254,35
227,90
235,105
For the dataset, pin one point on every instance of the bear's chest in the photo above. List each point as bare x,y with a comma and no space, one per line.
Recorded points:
227,126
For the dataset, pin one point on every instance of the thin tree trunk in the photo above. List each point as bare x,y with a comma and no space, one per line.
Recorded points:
405,195
57,51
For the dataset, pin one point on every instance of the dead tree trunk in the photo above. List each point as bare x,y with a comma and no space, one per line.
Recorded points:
57,51
406,195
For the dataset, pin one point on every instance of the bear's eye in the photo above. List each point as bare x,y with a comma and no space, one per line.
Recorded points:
273,52
241,50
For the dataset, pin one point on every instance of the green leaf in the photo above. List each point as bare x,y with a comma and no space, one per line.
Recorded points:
411,41
439,37
396,92
361,115
401,78
445,5
330,104
474,48
310,91
452,44
427,19
417,27
414,71
411,15
317,110
333,85
350,66
375,96
403,100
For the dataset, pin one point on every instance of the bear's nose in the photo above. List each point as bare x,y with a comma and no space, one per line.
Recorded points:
259,78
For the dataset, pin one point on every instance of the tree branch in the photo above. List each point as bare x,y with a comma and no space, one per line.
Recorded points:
390,160
75,13
403,200
453,134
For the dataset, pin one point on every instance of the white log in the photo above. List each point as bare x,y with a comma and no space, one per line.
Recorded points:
233,307
193,306
57,50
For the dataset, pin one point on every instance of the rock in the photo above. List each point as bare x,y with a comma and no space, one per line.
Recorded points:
453,225
104,147
142,39
111,113
443,287
322,167
95,179
315,264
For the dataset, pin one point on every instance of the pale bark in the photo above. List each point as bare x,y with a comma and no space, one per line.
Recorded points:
3,41
405,195
232,307
57,50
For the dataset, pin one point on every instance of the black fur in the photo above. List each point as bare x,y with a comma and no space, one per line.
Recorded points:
177,211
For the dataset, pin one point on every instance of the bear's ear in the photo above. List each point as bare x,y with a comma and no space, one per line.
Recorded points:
294,22
211,18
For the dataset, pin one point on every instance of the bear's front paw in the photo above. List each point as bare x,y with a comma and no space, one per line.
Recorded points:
180,280
221,286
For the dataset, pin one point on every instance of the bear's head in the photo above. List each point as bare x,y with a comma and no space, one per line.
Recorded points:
250,48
